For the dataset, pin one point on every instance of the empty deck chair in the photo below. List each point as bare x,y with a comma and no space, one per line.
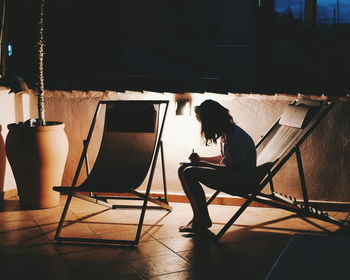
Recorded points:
275,148
129,149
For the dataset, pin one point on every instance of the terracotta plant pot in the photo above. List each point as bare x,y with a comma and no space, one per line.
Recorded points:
37,156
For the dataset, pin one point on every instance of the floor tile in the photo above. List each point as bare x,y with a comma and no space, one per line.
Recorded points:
164,231
257,247
120,270
254,241
178,244
217,263
104,215
89,258
70,229
45,218
17,225
143,250
66,248
102,227
3,272
34,273
79,205
263,263
9,216
45,211
160,265
34,261
181,275
23,237
239,233
125,232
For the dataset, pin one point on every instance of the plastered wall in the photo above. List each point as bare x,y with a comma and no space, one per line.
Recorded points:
13,108
326,153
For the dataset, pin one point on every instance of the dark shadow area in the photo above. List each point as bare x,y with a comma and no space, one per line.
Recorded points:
249,258
8,205
249,252
40,261
2,162
312,257
198,45
220,46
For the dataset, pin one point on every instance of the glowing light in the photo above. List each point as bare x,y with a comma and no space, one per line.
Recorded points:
9,49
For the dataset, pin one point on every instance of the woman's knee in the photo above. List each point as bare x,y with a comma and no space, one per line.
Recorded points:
189,173
180,170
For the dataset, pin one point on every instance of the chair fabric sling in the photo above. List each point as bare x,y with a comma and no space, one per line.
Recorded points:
283,140
124,166
128,152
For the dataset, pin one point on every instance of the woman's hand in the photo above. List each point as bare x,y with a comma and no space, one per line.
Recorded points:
194,157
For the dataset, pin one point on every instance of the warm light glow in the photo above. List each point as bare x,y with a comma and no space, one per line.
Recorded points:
182,132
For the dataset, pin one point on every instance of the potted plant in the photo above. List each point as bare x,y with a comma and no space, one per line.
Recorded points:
37,149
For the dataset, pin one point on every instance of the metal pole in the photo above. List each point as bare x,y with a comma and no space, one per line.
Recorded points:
142,216
85,147
302,177
163,170
63,216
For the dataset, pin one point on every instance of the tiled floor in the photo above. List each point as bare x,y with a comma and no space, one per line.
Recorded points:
246,251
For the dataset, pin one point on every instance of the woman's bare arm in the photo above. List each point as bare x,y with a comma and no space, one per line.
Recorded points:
208,164
194,157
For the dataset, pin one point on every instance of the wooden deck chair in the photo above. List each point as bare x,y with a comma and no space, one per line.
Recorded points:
275,148
129,150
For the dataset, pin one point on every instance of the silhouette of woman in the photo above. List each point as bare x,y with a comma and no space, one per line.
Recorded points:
232,171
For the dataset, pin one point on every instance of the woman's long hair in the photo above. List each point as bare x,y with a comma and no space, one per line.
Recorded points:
214,118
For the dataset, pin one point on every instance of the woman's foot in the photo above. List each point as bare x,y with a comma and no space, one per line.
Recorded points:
196,226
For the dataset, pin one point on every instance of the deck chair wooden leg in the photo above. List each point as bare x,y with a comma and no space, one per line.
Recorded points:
235,216
63,217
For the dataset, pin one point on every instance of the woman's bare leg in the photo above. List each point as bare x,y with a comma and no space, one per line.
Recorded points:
189,178
188,193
